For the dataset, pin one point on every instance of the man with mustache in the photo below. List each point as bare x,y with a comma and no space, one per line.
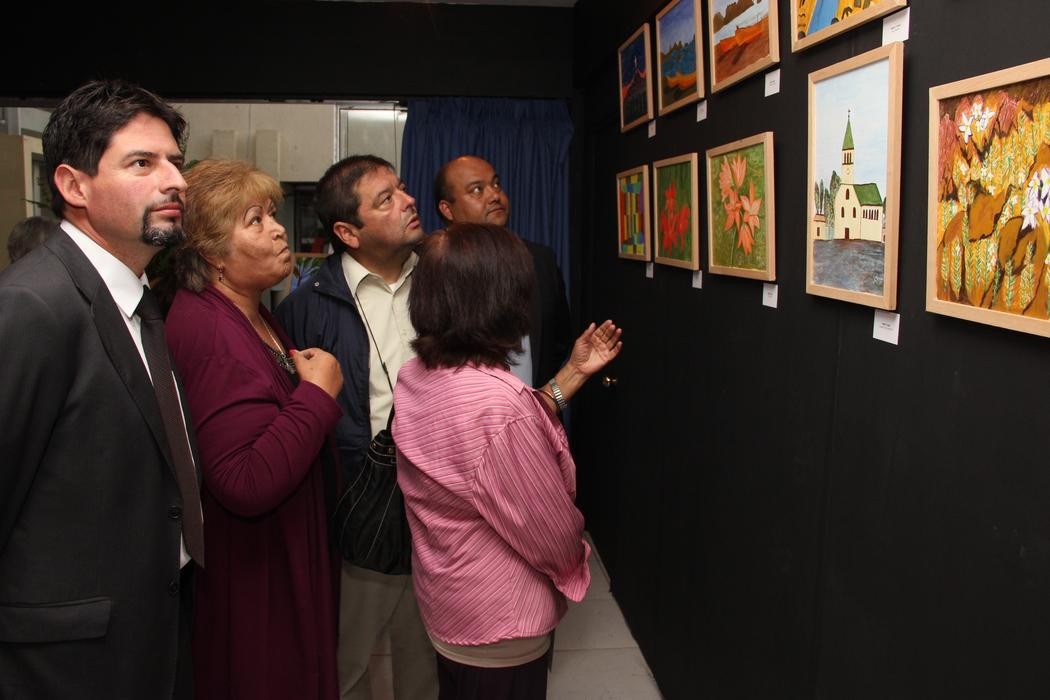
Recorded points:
467,189
356,307
99,507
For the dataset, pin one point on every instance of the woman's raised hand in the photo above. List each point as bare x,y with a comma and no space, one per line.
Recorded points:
319,367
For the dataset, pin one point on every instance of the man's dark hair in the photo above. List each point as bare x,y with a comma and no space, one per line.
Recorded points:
442,190
26,235
337,198
470,296
80,128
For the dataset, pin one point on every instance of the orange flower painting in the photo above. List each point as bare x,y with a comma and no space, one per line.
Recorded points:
740,177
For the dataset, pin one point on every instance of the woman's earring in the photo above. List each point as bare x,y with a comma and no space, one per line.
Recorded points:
222,269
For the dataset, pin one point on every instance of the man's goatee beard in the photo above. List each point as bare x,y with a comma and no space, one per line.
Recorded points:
161,237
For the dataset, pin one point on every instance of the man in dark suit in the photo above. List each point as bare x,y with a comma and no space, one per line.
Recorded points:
467,189
94,496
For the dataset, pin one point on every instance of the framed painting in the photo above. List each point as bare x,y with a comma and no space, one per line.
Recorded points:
815,21
741,236
304,266
853,185
636,87
632,213
988,238
742,39
679,55
675,215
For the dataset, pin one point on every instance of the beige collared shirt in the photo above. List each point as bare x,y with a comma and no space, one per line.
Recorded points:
384,308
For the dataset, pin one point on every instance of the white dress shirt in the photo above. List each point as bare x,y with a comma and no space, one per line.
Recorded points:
126,290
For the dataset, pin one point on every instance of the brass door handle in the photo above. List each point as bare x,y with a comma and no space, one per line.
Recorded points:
608,381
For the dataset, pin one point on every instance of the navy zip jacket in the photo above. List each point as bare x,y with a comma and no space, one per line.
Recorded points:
322,313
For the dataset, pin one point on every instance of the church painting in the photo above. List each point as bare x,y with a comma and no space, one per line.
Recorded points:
814,21
854,162
856,210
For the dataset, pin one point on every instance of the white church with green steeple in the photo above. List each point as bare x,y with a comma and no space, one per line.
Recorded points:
860,210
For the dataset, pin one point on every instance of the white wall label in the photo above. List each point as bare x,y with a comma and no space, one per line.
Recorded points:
698,279
652,128
895,27
649,270
770,292
772,82
887,326
701,110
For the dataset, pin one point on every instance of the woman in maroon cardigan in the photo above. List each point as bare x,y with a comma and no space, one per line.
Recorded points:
264,615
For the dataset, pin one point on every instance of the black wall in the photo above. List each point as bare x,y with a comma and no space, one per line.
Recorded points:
787,507
290,50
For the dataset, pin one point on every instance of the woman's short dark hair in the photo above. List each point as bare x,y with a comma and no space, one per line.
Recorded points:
80,128
470,296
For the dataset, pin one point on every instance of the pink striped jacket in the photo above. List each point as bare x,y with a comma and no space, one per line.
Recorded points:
489,485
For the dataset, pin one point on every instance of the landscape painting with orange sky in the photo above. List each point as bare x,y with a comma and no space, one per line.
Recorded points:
740,38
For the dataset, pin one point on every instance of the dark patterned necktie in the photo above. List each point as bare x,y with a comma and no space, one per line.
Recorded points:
156,349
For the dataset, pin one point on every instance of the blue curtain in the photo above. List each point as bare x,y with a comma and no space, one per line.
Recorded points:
527,142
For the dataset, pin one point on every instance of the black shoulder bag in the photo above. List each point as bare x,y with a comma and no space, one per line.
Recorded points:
369,523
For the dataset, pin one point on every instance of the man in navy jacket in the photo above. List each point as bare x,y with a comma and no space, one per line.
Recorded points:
356,307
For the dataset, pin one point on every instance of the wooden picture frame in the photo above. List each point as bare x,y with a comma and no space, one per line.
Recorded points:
741,213
636,85
632,214
743,45
676,218
854,147
988,236
679,55
814,21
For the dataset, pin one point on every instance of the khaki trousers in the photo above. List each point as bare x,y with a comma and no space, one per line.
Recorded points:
370,603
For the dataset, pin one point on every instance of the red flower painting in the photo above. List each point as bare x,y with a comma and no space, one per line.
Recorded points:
674,223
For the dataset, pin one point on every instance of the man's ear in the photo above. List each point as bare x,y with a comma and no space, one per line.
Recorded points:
74,185
446,210
347,234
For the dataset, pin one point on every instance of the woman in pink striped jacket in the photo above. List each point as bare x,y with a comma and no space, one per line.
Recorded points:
485,467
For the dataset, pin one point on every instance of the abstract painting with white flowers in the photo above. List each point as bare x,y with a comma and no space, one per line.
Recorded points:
989,191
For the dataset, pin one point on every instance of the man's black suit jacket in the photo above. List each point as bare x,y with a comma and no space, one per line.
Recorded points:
89,506
549,335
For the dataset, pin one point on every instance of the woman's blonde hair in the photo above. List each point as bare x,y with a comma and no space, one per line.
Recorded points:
218,192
